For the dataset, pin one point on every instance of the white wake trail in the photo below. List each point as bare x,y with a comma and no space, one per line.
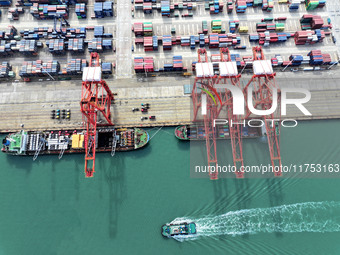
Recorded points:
294,218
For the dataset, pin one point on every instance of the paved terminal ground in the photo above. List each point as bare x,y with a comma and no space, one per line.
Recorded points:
31,104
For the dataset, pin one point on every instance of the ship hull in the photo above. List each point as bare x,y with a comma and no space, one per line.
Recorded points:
72,142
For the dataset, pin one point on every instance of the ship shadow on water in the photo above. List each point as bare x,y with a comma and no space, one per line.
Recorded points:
113,176
21,162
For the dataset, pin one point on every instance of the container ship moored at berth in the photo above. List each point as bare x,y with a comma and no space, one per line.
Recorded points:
65,141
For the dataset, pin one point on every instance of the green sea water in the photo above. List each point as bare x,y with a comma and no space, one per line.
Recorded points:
48,207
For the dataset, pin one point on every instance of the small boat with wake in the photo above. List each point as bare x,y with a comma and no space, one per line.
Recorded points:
181,229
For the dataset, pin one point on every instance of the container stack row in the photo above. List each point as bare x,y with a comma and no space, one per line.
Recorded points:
241,6
5,3
317,58
74,67
103,9
6,70
13,13
309,37
48,33
165,8
56,46
147,8
76,45
107,68
147,29
266,38
215,6
99,45
45,11
28,47
310,21
233,25
99,32
277,60
5,48
313,4
230,6
138,28
216,26
9,33
267,5
204,27
294,5
80,10
177,63
263,26
142,65
38,68
167,42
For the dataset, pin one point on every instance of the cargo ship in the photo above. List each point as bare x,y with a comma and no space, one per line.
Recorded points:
170,230
66,141
197,132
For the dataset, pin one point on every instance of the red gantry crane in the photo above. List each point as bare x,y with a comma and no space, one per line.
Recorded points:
203,94
208,85
263,83
228,74
96,97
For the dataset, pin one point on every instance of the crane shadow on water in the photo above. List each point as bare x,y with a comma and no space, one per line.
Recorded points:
224,196
113,175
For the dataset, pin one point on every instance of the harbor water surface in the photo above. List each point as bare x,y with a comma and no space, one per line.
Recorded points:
49,207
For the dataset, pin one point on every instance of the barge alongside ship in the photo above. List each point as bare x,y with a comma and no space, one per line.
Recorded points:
197,132
66,141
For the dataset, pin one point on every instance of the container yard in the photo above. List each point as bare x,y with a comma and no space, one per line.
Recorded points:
156,42
112,76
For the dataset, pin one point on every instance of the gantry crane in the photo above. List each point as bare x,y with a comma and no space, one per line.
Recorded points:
263,83
203,86
96,97
229,75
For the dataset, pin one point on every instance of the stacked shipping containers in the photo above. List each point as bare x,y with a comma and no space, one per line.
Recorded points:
165,8
313,4
56,46
142,65
177,63
6,70
216,26
241,6
80,10
38,68
309,21
294,5
45,11
147,29
75,66
233,25
28,47
76,45
103,9
309,37
167,43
